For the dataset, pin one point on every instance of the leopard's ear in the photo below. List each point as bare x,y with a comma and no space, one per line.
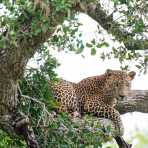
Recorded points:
131,75
108,72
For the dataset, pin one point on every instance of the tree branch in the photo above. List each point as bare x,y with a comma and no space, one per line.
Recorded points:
95,11
18,125
137,101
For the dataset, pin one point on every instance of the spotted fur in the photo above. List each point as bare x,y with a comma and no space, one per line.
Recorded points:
96,95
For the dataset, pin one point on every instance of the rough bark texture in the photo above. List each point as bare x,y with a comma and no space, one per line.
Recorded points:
136,101
17,125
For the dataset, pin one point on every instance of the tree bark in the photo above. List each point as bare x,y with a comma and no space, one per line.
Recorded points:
12,121
8,95
136,101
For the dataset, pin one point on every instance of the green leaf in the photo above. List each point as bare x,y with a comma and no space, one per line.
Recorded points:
88,45
139,26
79,50
2,44
124,1
102,56
138,66
105,44
93,51
93,41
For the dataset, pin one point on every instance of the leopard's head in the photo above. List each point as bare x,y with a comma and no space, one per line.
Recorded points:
119,82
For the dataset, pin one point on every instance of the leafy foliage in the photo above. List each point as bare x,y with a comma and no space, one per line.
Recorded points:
35,83
6,141
63,132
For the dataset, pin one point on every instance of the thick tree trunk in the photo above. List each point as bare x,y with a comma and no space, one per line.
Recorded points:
12,64
11,120
8,95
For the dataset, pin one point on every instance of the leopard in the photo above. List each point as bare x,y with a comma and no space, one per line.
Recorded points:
97,95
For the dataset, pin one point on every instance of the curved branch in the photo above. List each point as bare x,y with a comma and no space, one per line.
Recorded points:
95,11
